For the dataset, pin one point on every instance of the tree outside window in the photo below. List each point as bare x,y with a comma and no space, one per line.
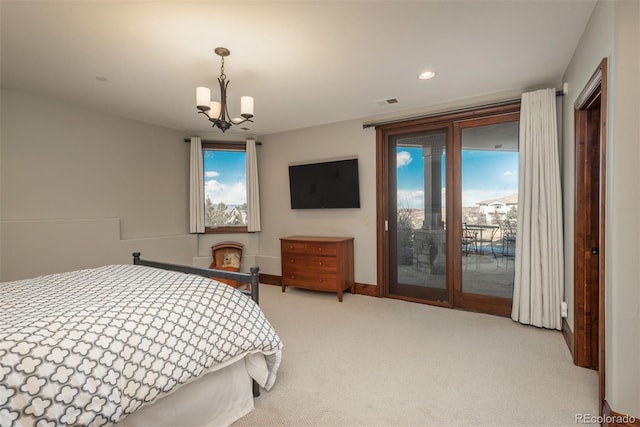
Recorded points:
225,187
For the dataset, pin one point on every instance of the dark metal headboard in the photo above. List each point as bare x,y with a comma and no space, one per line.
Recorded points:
251,278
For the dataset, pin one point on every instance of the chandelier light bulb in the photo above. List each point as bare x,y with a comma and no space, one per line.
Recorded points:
214,112
246,107
203,97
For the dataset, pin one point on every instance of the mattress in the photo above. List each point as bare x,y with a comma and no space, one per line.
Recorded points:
216,399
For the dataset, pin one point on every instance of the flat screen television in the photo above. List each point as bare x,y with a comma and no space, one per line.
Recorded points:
325,185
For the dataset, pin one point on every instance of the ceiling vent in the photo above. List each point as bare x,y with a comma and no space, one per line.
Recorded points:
383,102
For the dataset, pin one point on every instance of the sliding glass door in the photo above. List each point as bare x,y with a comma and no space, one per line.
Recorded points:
417,224
489,203
448,209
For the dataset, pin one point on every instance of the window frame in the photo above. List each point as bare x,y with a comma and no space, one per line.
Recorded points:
225,146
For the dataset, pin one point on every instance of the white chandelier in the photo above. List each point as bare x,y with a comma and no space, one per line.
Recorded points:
217,112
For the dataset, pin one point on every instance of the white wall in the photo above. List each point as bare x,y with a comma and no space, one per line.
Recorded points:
81,189
596,43
613,33
335,141
75,184
623,205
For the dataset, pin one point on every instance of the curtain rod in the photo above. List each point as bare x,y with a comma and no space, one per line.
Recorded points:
461,110
209,141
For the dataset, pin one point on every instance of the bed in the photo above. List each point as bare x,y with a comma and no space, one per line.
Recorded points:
143,344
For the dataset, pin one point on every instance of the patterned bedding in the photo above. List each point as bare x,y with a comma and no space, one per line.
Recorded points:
89,347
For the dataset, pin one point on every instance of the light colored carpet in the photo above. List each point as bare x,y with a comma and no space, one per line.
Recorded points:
382,362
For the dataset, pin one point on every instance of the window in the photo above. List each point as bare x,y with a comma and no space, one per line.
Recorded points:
225,187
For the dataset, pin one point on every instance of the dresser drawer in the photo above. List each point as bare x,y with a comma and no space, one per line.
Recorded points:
309,248
321,248
310,263
321,282
293,247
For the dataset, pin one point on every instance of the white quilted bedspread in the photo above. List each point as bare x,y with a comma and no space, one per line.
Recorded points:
88,347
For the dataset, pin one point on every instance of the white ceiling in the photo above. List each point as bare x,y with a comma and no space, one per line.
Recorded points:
305,62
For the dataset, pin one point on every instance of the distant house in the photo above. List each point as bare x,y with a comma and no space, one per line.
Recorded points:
499,207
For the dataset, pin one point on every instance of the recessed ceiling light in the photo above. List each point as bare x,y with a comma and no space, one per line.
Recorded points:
427,75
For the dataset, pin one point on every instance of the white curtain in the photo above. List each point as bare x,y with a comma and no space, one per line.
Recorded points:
539,273
253,190
196,187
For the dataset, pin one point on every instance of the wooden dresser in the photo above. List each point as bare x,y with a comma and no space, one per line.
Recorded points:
318,263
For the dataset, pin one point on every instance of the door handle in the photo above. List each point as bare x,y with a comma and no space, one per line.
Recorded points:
595,251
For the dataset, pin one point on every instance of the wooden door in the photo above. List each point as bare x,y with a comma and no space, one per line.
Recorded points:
589,269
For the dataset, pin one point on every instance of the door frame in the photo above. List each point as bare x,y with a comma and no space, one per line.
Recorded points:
383,202
383,133
415,293
587,128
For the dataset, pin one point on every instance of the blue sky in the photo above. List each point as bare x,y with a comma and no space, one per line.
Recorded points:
225,173
485,175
